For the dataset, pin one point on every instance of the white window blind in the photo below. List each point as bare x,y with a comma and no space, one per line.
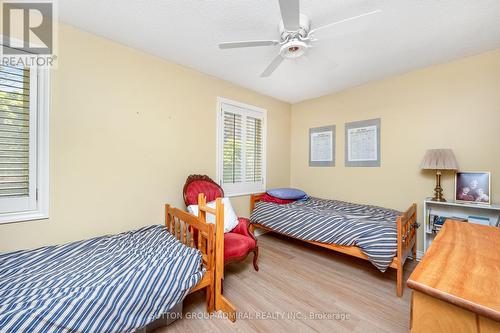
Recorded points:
16,181
23,153
241,148
233,148
253,152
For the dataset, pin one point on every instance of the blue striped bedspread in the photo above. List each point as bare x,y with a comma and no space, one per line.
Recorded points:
106,284
373,229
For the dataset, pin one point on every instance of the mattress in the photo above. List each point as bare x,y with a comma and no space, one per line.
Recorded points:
373,229
114,283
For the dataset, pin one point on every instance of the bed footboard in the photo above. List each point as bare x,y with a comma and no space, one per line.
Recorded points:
208,238
407,243
193,232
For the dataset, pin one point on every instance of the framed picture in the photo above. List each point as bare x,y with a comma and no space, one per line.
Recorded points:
473,187
362,143
322,146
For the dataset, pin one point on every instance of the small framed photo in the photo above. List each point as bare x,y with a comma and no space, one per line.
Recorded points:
473,187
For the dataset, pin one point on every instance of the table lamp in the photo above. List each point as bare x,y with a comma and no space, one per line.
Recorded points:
439,159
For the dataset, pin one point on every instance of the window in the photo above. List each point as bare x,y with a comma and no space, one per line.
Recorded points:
23,143
241,148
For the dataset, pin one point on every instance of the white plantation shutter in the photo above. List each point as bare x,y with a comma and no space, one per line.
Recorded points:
241,148
233,152
253,152
24,142
14,132
17,144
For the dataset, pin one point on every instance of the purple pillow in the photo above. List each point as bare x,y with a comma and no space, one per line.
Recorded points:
288,193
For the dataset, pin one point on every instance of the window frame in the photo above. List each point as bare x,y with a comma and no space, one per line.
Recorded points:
40,203
243,188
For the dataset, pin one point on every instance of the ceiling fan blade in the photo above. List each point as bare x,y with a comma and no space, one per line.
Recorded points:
253,43
290,13
345,20
272,66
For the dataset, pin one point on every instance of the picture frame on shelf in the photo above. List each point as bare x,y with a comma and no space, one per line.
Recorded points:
473,187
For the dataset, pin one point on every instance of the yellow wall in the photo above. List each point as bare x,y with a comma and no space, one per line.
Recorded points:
454,105
126,129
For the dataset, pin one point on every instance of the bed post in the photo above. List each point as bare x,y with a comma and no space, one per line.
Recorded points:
415,231
407,241
253,199
221,303
399,256
209,296
209,248
167,217
219,247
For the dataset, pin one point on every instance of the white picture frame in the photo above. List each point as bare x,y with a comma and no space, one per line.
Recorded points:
322,146
362,143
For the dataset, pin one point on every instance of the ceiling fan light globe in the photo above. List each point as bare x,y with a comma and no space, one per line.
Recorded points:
293,49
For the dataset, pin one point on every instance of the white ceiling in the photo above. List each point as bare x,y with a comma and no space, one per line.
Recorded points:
406,35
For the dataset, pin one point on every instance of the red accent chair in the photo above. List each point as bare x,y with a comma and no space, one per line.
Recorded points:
240,241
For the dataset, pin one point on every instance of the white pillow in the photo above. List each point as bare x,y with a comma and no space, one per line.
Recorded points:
230,218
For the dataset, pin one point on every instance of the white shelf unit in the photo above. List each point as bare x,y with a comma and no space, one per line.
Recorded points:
456,209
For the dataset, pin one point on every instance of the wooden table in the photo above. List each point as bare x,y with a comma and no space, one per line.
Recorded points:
457,283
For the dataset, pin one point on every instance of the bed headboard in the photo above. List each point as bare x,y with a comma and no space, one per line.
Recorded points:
255,198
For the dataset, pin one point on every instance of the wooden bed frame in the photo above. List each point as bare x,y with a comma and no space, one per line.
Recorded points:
407,240
208,238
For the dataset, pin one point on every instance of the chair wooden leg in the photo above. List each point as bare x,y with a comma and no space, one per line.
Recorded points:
255,258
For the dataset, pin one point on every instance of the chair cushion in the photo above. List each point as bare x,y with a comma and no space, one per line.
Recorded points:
236,245
211,191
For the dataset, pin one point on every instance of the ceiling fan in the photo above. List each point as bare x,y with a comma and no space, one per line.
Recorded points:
296,35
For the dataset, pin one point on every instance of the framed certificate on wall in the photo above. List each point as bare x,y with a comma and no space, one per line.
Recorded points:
322,146
362,143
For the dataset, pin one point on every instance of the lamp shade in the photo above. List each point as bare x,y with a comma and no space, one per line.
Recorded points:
439,159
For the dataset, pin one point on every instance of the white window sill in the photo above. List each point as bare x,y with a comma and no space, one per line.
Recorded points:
241,194
23,216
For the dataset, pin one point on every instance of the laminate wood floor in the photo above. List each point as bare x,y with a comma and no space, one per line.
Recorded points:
297,280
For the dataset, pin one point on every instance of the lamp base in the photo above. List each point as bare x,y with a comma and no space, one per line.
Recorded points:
438,190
